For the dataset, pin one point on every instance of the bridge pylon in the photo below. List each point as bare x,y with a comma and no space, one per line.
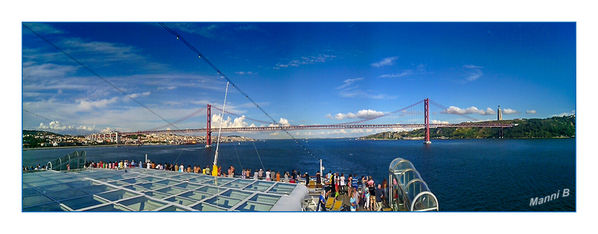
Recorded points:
209,126
427,121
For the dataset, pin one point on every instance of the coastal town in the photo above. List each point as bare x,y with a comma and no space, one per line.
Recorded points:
42,139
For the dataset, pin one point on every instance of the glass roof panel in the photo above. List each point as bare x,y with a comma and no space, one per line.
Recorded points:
116,195
195,195
142,204
83,202
53,206
223,202
181,200
253,206
207,207
143,189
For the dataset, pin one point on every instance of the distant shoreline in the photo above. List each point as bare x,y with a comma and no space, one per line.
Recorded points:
91,146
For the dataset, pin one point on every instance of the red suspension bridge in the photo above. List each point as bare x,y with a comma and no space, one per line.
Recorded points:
348,125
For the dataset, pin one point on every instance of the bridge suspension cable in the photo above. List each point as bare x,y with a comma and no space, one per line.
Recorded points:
446,108
98,75
239,115
200,110
385,114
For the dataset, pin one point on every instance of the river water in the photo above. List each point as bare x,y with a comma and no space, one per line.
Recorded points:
465,175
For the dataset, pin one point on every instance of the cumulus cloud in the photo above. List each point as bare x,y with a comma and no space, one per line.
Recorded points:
228,123
438,122
474,110
361,114
281,122
385,62
56,125
531,112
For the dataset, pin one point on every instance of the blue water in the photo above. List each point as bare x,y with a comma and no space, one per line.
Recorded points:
465,175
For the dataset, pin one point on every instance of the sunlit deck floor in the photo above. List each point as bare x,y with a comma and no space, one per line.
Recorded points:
138,189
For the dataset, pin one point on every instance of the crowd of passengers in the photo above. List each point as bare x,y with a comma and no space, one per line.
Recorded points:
363,192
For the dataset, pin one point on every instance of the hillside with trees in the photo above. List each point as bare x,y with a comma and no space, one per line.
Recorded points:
555,127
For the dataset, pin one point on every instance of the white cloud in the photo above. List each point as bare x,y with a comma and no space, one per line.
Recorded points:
438,122
361,114
350,89
572,112
42,28
473,72
47,70
207,31
397,75
86,105
349,82
281,122
508,111
136,95
531,112
228,123
56,125
304,60
472,110
244,73
385,62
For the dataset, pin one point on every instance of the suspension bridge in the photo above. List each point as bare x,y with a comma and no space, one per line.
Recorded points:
271,125
349,125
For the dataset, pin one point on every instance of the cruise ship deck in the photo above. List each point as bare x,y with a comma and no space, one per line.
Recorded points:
138,189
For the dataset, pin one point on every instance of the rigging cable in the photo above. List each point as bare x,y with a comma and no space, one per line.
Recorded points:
99,76
221,74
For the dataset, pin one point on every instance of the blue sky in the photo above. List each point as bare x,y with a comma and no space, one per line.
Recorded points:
301,73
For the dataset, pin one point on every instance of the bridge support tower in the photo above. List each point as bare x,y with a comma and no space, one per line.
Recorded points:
209,126
427,121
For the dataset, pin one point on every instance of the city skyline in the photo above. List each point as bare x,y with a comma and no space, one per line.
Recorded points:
301,73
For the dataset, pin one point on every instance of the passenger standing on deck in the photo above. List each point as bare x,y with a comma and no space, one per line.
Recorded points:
268,175
333,185
260,174
367,200
318,179
352,200
379,197
342,181
277,176
306,179
256,175
322,202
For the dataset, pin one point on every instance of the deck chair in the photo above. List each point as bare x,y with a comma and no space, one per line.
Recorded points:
337,206
329,203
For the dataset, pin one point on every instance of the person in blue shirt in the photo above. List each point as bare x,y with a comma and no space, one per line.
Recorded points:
322,202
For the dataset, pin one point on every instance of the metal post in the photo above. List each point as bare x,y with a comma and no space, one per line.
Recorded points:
209,126
427,121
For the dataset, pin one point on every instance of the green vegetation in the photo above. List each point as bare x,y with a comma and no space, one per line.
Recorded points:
555,127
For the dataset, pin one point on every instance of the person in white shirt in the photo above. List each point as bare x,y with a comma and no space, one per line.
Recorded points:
181,168
268,175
